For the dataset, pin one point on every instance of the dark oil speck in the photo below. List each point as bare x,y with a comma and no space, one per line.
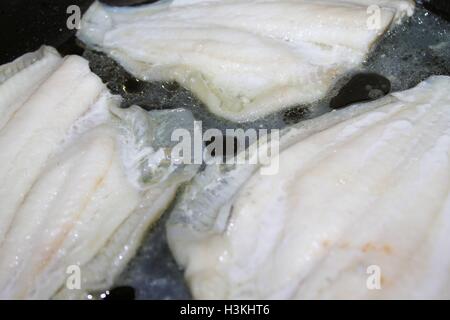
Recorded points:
361,87
71,46
440,7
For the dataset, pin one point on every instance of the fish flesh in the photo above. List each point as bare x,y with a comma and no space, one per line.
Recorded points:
243,59
28,134
82,179
359,209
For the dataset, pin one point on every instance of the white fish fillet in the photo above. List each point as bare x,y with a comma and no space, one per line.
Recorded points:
243,59
80,180
33,131
365,187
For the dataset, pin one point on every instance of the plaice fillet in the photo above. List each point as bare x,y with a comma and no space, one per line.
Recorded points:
362,188
82,179
243,59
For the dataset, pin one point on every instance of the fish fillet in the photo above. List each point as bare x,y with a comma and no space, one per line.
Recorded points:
33,128
82,179
243,59
362,189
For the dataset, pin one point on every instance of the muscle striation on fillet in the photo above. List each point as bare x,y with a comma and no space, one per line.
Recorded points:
364,187
243,59
80,180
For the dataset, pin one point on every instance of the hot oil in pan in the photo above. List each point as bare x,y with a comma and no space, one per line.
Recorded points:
414,51
403,58
406,56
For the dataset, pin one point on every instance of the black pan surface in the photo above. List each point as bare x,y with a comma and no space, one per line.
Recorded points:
407,55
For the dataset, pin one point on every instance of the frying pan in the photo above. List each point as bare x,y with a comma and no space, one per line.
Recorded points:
407,55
